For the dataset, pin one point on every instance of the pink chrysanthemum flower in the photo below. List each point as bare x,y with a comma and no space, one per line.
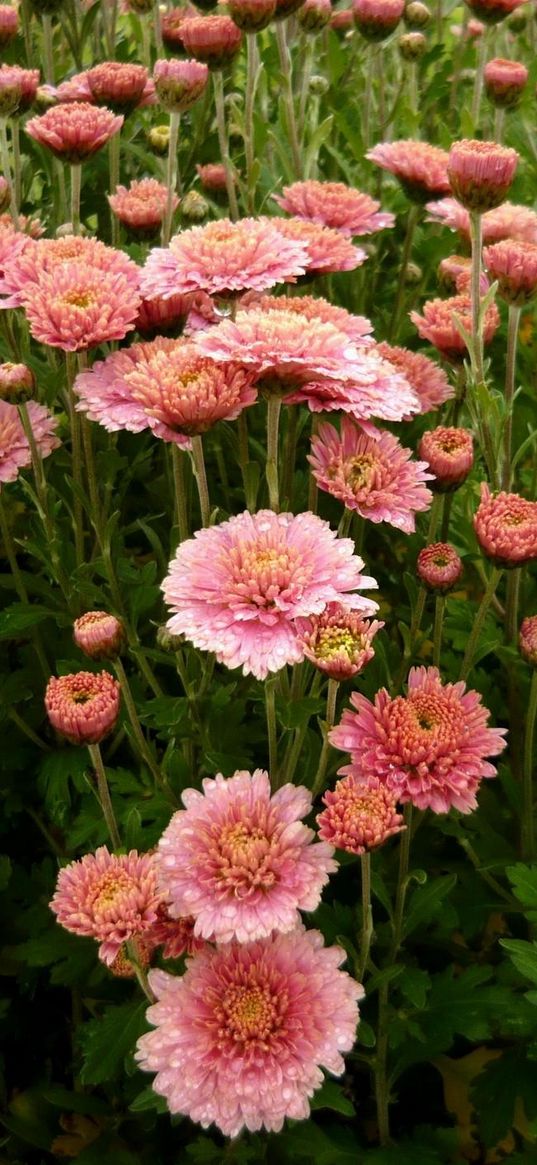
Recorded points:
224,258
26,81
451,268
9,24
165,317
314,15
505,82
14,448
527,640
342,20
240,1039
376,19
492,11
428,747
339,642
427,380
175,935
508,221
17,382
240,861
513,266
437,325
333,204
215,40
506,527
359,815
439,566
212,176
179,84
315,309
237,588
107,897
373,474
420,167
171,23
120,85
75,307
36,257
83,706
141,206
12,241
99,635
480,173
327,250
76,88
450,455
75,131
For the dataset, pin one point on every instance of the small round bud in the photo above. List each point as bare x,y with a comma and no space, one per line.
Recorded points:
45,98
518,20
17,383
412,45
377,19
416,15
314,15
83,706
215,40
450,454
5,194
67,228
99,635
194,207
179,84
168,642
527,640
505,82
319,85
439,566
413,274
158,138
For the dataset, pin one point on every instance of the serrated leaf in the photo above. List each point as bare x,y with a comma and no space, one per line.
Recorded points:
424,902
330,1095
108,1040
523,955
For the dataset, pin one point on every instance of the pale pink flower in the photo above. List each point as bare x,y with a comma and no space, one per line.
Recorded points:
75,131
237,588
439,566
420,167
14,448
427,380
122,86
507,221
505,82
327,250
75,307
179,84
12,241
215,40
165,317
527,640
506,527
428,747
480,173
372,474
99,635
450,454
437,325
314,309
513,266
376,19
76,88
83,706
359,815
240,1039
333,204
224,258
9,24
35,257
339,642
109,897
240,861
175,935
141,206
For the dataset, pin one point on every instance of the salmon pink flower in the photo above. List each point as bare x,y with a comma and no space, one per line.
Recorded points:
420,167
480,173
17,382
507,221
492,11
179,84
73,307
359,815
339,642
164,317
335,205
141,207
327,250
427,380
36,257
438,326
120,85
439,566
213,176
14,448
99,635
505,82
83,706
171,23
513,266
314,309
9,24
450,455
215,40
26,80
506,527
75,131
527,640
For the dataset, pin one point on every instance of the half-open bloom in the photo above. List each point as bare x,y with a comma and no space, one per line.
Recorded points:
420,167
328,250
99,635
339,642
74,131
438,326
83,706
439,566
513,265
480,173
120,85
179,84
507,221
506,527
427,380
505,82
359,815
141,206
527,640
450,455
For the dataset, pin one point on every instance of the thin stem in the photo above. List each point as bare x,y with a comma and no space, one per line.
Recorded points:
274,404
43,499
146,42
171,176
499,121
17,176
48,54
25,728
367,916
287,78
528,831
139,971
478,81
201,480
412,222
76,181
272,735
103,793
511,604
180,499
141,742
218,84
114,146
510,369
6,167
76,461
467,663
252,68
249,484
368,95
331,698
290,443
439,609
476,235
158,31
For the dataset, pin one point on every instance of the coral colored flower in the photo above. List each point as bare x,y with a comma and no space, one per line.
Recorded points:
450,454
75,131
179,84
480,173
376,19
428,747
505,82
35,257
508,221
506,527
314,309
492,11
427,380
339,642
359,815
224,258
25,80
75,307
99,635
212,176
215,40
9,24
372,474
237,588
513,266
14,448
420,167
240,1039
175,935
83,706
141,206
76,88
439,566
240,861
527,640
166,386
437,325
252,15
327,250
17,382
107,897
164,317
119,85
333,204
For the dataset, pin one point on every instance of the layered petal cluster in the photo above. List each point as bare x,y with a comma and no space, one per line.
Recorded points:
420,167
83,706
507,221
449,453
506,527
14,448
241,861
166,317
427,380
315,309
75,131
75,307
359,815
429,747
237,588
37,257
439,566
339,642
333,204
26,81
527,640
99,635
328,250
438,325
175,935
121,85
480,173
505,81
241,1038
513,265
141,206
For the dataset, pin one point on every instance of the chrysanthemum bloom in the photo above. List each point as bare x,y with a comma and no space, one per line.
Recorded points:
420,167
508,221
339,642
109,897
26,80
327,250
224,258
83,706
505,82
527,640
237,588
75,131
412,45
428,748
14,448
372,474
215,40
240,861
9,24
315,309
506,527
99,635
252,15
10,91
492,11
17,382
451,268
376,19
480,173
165,386
74,307
439,566
175,935
179,84
242,1036
119,85
163,317
35,257
359,815
212,176
171,23
141,207
437,325
513,266
427,380
333,204
450,454
314,15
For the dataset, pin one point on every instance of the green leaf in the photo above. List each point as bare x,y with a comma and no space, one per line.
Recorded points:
148,1100
524,882
425,900
21,617
108,1040
510,1078
330,1095
523,955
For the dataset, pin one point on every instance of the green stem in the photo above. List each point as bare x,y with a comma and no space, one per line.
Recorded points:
272,735
290,444
494,578
274,404
139,971
76,181
478,80
158,31
25,728
528,832
331,699
412,222
141,742
511,604
76,461
171,177
48,53
252,68
476,235
17,176
499,121
201,480
114,147
180,498
287,78
103,793
510,369
367,916
223,141
43,499
439,609
6,167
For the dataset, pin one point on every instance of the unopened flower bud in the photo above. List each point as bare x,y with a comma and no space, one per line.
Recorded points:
252,15
99,635
416,15
450,454
319,85
480,173
314,15
215,40
505,82
194,207
412,45
83,706
527,640
179,84
158,138
413,274
17,383
168,642
518,20
377,19
439,566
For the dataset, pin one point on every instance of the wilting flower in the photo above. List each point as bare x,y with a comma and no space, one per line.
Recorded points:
175,935
9,24
480,173
179,84
492,11
508,221
315,309
359,815
240,861
73,307
370,473
327,250
83,706
333,204
237,588
506,527
99,635
17,382
439,566
505,82
450,454
215,40
25,80
74,132
513,266
428,747
420,167
437,324
141,206
527,640
242,1036
35,257
14,448
427,380
339,642
107,897
376,19
252,15
120,85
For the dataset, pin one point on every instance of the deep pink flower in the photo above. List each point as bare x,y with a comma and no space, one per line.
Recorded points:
120,85
83,706
241,1037
327,250
527,640
507,221
141,206
513,266
450,454
480,173
75,131
371,473
427,380
9,24
506,527
99,635
35,257
171,23
376,19
26,80
175,935
333,204
342,20
240,861
237,588
107,897
179,84
437,325
339,642
439,566
359,815
76,88
215,40
505,82
420,167
428,747
75,307
14,448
